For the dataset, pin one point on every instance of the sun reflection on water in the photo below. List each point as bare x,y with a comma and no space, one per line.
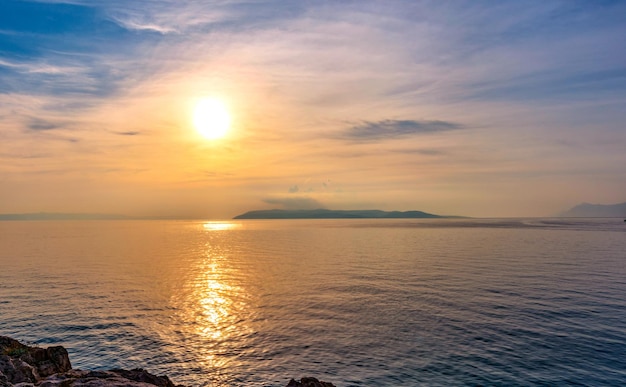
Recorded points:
214,309
210,299
219,226
211,302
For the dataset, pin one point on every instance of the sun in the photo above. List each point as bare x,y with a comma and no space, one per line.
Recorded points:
211,118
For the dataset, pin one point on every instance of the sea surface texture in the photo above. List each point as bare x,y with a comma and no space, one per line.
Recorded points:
503,302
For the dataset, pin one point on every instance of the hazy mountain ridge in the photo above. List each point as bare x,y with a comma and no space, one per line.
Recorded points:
88,216
588,210
334,214
61,216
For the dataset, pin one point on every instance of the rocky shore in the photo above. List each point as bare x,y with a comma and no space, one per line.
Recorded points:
25,366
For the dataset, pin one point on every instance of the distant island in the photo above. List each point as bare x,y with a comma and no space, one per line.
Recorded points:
337,214
587,210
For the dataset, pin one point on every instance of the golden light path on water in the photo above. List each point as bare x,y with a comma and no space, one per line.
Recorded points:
210,301
220,226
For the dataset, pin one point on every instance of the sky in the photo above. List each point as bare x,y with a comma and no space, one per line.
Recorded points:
474,108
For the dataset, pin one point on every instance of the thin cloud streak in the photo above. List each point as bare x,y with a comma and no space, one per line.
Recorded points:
139,26
39,124
391,129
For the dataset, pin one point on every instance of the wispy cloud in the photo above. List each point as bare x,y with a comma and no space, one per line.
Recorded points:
143,26
554,84
390,129
43,125
38,67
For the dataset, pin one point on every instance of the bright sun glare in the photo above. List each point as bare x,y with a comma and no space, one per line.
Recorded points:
211,118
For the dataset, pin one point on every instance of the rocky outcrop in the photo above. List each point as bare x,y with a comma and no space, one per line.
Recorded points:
25,366
113,378
309,382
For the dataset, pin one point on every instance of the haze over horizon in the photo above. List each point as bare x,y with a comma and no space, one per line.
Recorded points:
486,109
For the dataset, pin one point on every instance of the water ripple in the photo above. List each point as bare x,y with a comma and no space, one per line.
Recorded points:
359,303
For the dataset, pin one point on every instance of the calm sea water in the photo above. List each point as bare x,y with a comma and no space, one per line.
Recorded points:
355,302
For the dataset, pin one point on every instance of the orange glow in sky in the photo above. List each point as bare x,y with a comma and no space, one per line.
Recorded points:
210,110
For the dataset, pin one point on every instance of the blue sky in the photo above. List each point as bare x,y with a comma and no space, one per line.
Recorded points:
480,108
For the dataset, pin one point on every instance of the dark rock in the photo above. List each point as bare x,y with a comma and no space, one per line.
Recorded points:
24,366
113,378
12,366
4,382
309,382
20,363
140,375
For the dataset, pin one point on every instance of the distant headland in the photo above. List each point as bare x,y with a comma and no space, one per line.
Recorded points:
337,214
587,210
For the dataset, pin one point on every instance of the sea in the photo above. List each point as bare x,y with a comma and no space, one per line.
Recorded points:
355,302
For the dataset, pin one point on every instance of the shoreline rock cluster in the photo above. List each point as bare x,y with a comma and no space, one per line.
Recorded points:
25,366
